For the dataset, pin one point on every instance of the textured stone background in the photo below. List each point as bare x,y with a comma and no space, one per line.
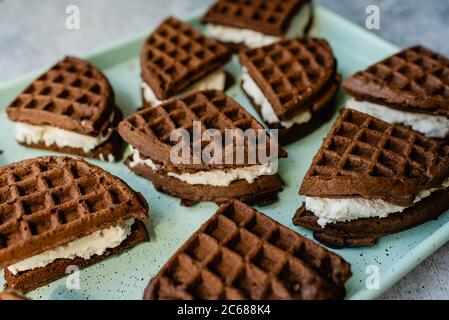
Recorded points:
33,34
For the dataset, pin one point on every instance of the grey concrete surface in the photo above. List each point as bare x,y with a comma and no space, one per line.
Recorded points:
33,34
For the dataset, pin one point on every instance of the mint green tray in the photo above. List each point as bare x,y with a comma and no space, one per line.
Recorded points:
126,276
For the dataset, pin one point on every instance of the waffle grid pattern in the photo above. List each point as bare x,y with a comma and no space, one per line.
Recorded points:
291,72
272,16
242,254
415,70
54,196
414,80
212,109
72,89
363,145
175,53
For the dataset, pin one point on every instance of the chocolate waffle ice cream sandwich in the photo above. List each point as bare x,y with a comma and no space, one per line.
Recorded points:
370,179
292,84
235,174
177,59
69,109
409,88
57,212
258,23
240,253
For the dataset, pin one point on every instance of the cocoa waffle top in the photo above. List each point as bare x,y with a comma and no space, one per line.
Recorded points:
415,80
176,55
268,17
241,253
292,74
50,201
72,95
363,156
150,130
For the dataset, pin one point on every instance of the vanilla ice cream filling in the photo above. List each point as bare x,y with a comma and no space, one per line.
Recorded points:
214,81
342,210
431,126
137,159
217,178
32,134
266,109
94,244
109,158
254,39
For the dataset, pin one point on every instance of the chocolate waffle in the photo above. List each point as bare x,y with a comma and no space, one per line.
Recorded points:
365,232
228,83
268,17
176,55
73,96
367,157
295,76
109,151
49,202
149,132
414,80
240,253
39,277
364,157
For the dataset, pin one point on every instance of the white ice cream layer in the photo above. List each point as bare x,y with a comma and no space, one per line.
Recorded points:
218,178
254,39
340,210
109,158
136,160
431,126
32,134
266,109
94,244
216,80
221,178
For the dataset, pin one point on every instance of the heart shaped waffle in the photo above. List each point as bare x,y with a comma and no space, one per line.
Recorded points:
415,80
73,95
367,157
50,201
364,157
292,74
149,132
268,17
176,55
240,253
